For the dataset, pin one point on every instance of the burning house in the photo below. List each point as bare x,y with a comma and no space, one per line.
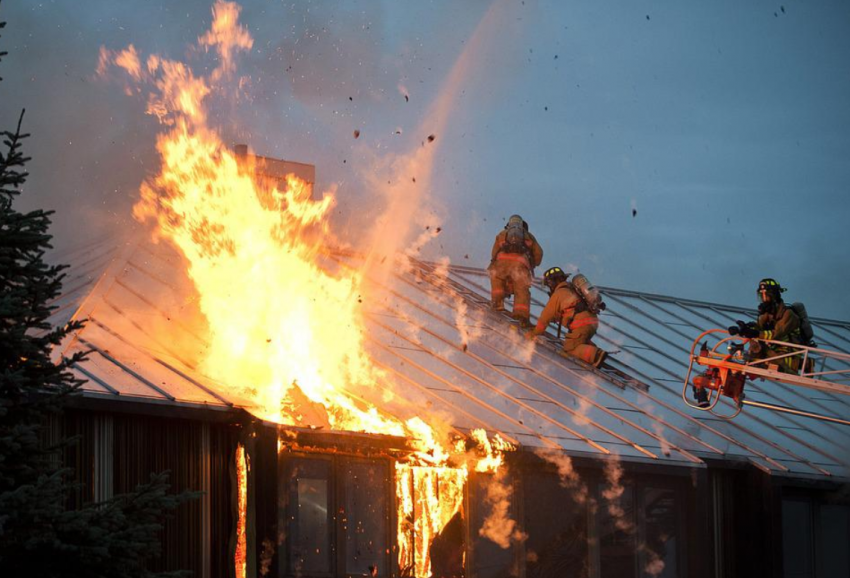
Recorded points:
358,412
610,475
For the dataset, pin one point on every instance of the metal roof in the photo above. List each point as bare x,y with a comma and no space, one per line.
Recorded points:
430,328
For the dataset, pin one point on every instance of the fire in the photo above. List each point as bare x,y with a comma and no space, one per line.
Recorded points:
240,557
492,451
276,320
428,499
281,329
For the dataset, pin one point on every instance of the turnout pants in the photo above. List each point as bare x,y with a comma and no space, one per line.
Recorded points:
578,344
505,271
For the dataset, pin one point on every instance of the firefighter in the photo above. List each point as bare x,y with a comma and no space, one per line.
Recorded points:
776,322
580,318
514,256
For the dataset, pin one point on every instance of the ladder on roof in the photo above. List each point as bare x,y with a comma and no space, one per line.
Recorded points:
730,363
617,376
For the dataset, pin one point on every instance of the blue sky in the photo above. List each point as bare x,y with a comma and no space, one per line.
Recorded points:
725,125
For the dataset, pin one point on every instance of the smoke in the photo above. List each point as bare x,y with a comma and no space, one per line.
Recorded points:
654,565
613,493
498,527
467,331
468,323
569,478
657,428
404,181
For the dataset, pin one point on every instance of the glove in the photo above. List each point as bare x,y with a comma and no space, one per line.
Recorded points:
747,329
743,329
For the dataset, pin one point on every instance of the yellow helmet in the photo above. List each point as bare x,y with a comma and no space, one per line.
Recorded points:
553,277
770,287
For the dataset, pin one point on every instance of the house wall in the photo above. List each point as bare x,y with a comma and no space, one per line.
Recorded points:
118,451
333,514
646,523
815,533
778,527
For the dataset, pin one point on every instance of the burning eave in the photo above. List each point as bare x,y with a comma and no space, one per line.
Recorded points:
298,439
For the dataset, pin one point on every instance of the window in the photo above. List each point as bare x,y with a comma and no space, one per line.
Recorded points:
797,538
557,542
814,539
335,519
617,535
489,560
309,518
658,556
834,538
638,533
365,521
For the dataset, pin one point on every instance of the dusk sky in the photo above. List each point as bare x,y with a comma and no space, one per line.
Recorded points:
685,148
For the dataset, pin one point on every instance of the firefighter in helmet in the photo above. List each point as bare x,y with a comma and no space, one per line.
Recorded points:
776,322
581,319
514,256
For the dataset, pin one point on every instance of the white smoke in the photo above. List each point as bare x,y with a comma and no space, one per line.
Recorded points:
498,527
657,428
613,493
654,565
569,478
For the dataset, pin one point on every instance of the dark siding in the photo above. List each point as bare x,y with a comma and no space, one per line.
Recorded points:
79,456
266,512
143,445
222,493
746,523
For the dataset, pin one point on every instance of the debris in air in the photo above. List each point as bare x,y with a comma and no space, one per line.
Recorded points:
634,213
356,133
431,138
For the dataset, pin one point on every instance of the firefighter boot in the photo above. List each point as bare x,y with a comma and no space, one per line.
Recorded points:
601,356
700,395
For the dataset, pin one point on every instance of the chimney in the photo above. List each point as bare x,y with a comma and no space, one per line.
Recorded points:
276,169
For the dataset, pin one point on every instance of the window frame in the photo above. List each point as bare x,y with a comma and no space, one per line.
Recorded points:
638,486
337,487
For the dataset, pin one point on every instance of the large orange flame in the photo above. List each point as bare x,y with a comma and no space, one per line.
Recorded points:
283,329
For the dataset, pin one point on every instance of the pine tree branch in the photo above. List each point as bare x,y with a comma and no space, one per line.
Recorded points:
12,177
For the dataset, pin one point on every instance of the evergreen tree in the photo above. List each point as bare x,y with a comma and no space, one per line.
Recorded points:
39,536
